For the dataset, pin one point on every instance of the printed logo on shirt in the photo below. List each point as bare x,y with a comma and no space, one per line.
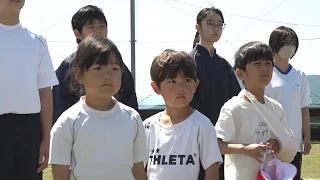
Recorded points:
172,159
147,126
262,129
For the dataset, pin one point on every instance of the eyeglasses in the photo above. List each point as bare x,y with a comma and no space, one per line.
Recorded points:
212,25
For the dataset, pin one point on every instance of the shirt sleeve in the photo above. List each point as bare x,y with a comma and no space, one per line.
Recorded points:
46,75
209,149
225,126
305,92
147,126
60,142
140,153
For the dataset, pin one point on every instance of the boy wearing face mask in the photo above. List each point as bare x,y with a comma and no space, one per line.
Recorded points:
289,86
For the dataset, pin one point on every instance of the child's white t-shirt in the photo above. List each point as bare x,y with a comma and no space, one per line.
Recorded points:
292,91
25,68
240,123
98,144
175,152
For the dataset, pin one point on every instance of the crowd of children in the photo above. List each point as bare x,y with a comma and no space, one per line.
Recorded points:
210,128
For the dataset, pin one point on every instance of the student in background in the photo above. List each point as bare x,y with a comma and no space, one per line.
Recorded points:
98,136
243,133
88,20
27,75
290,87
179,138
218,82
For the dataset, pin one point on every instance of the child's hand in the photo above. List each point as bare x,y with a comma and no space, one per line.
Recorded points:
306,147
255,150
273,144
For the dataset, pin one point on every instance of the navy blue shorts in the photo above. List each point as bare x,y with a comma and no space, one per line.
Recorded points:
20,138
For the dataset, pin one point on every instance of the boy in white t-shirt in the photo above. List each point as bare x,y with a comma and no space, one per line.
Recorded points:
290,87
242,133
179,139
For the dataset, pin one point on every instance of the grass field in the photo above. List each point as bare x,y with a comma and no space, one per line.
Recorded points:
310,168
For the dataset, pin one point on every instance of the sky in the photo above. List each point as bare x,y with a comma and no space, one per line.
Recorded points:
170,24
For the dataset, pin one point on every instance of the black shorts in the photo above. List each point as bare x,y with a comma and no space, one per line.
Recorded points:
297,162
20,138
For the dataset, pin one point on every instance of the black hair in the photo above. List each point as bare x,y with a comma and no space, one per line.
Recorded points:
86,15
282,36
201,16
93,50
250,52
169,63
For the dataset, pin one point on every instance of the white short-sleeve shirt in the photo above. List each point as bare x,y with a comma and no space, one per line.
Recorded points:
175,152
240,123
98,144
291,90
25,68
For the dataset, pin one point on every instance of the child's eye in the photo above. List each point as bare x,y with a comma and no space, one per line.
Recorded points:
98,68
115,69
210,23
188,80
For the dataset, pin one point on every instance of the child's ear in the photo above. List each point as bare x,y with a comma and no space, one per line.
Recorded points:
196,84
77,34
155,87
240,74
197,27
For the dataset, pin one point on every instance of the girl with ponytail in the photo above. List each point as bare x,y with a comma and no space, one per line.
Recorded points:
217,79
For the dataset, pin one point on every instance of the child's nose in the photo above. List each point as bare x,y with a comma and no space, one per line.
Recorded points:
181,89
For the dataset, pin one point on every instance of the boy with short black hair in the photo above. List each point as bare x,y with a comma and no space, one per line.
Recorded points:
179,139
26,77
244,134
88,20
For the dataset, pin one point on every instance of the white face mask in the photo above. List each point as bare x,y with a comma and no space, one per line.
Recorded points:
286,52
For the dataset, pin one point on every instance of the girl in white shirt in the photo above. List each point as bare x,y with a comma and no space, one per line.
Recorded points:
290,87
99,137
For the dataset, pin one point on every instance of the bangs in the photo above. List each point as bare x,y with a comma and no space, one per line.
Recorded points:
171,71
259,53
107,58
250,52
91,20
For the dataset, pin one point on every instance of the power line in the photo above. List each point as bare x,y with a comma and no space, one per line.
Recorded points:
178,9
253,18
58,22
261,18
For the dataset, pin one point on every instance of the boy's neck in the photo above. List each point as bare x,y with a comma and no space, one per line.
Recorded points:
207,45
9,18
98,103
173,115
258,93
282,64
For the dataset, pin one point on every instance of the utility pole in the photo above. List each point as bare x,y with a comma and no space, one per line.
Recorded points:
133,39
